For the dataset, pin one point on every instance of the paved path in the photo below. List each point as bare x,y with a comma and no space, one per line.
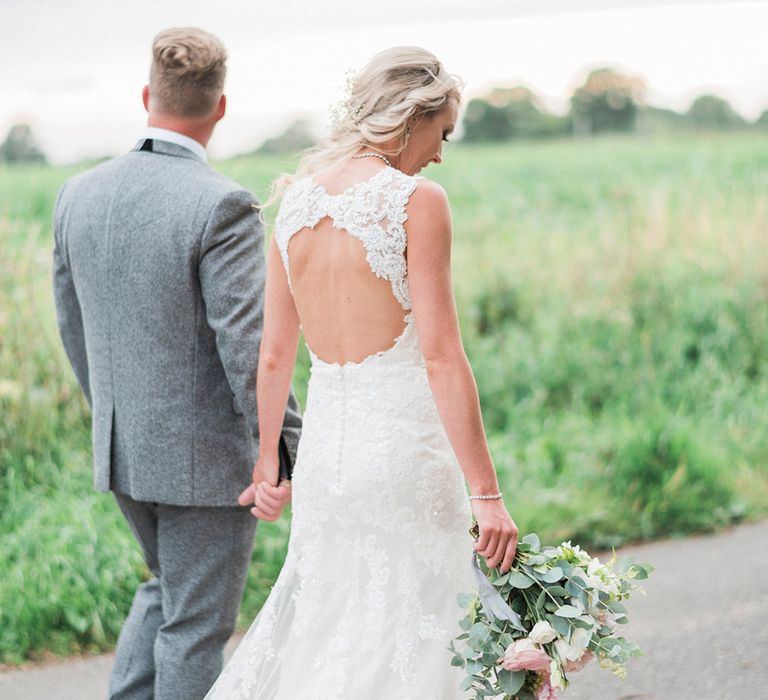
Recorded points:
703,626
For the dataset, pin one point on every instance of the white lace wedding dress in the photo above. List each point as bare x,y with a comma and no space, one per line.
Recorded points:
365,604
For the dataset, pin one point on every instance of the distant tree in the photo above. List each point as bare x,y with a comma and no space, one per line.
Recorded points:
509,113
295,138
762,120
20,145
659,119
607,101
713,112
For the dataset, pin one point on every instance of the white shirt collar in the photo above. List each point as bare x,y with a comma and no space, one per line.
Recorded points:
153,132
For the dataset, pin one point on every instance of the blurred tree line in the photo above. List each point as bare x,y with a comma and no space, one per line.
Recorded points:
20,146
607,101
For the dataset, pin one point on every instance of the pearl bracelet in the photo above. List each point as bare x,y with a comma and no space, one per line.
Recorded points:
494,497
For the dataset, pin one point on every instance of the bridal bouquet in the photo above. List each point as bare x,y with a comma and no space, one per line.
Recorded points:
556,610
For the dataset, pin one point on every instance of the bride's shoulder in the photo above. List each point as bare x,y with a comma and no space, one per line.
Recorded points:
296,186
428,198
428,224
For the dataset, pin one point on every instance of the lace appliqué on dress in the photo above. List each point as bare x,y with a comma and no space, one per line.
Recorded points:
372,211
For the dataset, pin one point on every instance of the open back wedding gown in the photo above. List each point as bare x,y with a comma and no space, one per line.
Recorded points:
365,604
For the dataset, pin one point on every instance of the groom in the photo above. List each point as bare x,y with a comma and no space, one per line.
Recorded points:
158,279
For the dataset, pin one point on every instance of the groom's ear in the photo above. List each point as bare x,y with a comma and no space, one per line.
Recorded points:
145,97
222,108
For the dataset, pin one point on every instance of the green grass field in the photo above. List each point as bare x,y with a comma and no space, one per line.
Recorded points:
613,303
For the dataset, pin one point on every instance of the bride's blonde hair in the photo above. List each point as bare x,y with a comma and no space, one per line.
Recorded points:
395,86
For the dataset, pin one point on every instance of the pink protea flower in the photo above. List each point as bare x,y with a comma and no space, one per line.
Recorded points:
524,655
581,662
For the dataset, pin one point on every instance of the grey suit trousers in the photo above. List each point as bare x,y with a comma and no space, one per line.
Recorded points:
171,645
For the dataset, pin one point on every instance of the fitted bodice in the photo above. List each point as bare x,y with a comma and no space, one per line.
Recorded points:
373,211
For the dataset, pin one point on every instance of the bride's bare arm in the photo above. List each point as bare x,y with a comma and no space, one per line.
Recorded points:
277,357
450,376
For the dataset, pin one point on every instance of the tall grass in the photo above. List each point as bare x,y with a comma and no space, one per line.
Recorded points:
613,303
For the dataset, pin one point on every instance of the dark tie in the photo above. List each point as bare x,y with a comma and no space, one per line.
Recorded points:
147,145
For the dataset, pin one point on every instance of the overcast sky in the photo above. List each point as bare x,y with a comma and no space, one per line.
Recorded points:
74,69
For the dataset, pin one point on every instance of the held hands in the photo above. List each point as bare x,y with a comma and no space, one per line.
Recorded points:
268,500
498,533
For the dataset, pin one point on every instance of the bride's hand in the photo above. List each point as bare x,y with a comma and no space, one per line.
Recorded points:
498,533
267,499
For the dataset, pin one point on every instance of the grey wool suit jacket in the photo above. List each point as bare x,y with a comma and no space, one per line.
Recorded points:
158,279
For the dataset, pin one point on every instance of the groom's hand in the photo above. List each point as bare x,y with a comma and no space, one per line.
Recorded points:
247,497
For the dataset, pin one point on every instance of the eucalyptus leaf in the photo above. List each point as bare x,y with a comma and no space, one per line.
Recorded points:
578,580
574,590
557,590
499,582
533,540
474,666
565,566
535,559
578,622
520,580
567,611
511,681
487,686
553,575
560,624
490,648
490,659
457,661
466,684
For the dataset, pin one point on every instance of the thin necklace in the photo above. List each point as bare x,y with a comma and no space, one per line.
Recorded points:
374,155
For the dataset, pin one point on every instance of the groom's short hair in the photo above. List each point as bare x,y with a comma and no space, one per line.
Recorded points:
188,70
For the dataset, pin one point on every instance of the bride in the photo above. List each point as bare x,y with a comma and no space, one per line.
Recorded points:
365,604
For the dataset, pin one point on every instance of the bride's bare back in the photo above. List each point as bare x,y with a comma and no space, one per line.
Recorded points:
347,268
